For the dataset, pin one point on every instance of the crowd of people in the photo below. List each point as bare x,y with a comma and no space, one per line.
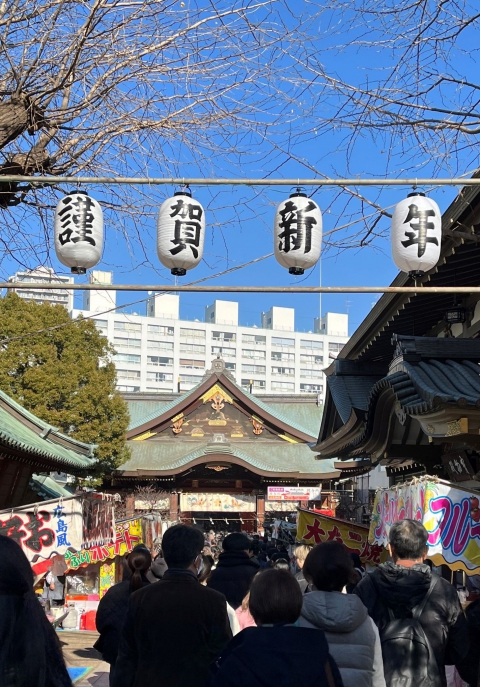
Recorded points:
246,616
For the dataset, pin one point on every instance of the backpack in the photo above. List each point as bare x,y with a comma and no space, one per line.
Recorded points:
408,658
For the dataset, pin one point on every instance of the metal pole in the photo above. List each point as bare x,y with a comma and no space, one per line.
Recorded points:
194,181
418,290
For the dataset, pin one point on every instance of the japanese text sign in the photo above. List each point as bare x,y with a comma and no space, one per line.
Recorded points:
294,493
128,535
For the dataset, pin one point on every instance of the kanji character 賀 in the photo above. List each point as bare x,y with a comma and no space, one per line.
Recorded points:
297,227
419,235
76,220
187,227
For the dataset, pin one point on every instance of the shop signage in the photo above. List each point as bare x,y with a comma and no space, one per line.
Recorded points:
313,528
294,493
45,530
218,503
128,535
450,514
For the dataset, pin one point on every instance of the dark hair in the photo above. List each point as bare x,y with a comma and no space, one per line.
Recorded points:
236,541
207,568
329,567
181,544
275,597
281,564
408,539
139,562
30,650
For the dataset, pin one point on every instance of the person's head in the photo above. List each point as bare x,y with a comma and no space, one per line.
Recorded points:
139,562
16,575
275,597
255,547
281,564
328,567
301,553
206,571
182,546
357,563
408,541
236,541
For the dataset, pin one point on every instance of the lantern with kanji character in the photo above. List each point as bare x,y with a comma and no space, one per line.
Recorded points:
180,233
298,233
416,234
78,231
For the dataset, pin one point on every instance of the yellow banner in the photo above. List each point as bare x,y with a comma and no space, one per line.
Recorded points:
313,528
128,535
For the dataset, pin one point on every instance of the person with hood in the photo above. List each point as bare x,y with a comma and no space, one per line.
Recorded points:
235,569
276,653
352,636
403,595
112,609
30,653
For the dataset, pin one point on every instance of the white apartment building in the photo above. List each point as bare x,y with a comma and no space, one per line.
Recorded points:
160,352
44,275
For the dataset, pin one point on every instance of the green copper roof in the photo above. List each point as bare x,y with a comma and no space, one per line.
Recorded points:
47,487
275,458
16,435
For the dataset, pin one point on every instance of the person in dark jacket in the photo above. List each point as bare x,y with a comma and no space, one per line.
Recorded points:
30,653
158,569
235,569
402,584
469,667
174,628
276,653
112,609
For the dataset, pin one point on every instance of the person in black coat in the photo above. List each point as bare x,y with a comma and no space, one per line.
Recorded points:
235,569
402,585
112,609
276,653
469,667
174,628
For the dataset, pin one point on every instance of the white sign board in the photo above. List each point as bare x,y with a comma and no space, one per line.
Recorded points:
294,493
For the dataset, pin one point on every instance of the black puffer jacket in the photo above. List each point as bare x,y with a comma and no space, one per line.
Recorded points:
111,614
233,576
401,589
469,667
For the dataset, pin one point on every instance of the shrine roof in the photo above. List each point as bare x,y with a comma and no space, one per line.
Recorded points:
282,459
24,435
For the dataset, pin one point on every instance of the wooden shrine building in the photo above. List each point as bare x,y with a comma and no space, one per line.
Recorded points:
216,449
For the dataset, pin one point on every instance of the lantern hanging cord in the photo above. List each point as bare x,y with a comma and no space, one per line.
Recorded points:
206,181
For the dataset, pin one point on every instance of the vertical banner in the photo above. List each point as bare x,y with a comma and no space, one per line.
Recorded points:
44,530
107,577
98,521
313,528
450,515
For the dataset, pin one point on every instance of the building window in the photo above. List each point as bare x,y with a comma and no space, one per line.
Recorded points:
257,384
160,345
230,366
284,357
224,352
253,354
283,386
314,345
311,359
335,347
309,373
283,371
228,337
122,387
159,377
192,364
254,340
280,341
160,330
127,327
253,369
127,358
128,374
311,388
192,348
127,343
101,324
190,379
192,333
159,361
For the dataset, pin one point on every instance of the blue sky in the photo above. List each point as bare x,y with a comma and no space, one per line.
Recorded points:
240,219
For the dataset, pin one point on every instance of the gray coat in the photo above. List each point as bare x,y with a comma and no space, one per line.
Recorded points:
351,634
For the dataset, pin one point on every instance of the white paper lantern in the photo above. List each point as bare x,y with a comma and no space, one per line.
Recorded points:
78,232
416,234
298,233
180,233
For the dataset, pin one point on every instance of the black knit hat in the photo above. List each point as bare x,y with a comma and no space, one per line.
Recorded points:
236,541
